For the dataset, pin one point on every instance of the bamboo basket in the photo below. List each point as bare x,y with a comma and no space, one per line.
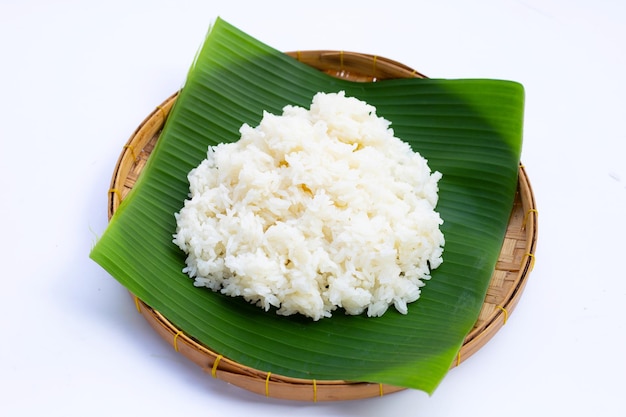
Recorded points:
507,284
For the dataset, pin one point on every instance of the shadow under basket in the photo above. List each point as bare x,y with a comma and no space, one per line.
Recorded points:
505,289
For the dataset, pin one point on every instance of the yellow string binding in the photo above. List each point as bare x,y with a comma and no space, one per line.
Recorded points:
380,389
267,384
117,193
162,110
532,261
506,314
215,365
314,391
176,340
526,217
137,305
132,151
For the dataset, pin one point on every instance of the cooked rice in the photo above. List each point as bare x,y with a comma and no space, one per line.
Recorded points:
314,210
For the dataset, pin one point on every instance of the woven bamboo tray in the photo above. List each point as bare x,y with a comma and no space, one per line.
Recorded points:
509,278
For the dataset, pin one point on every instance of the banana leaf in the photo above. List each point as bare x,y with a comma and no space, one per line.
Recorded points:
468,129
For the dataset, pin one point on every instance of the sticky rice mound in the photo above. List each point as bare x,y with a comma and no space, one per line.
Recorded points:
312,211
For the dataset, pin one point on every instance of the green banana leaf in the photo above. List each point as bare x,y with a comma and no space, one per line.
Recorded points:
469,130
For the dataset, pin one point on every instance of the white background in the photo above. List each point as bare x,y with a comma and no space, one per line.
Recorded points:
76,78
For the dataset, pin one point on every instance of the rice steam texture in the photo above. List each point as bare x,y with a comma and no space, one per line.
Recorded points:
313,210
